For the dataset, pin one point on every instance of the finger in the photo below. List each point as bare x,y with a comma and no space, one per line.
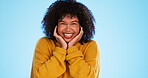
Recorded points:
81,32
55,31
79,36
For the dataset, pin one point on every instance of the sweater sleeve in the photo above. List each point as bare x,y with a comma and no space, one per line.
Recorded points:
46,65
84,66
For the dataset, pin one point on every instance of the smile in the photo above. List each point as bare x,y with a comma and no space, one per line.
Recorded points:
68,36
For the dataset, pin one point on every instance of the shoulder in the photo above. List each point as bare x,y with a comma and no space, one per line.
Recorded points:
44,45
44,41
91,43
90,49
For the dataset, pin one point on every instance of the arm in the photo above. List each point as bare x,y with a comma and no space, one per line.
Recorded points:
84,66
45,64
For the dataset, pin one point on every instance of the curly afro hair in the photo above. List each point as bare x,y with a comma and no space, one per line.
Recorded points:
61,8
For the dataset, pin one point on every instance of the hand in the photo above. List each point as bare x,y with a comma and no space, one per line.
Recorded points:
63,44
76,39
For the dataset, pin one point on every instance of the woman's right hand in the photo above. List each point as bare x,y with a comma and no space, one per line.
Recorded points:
61,41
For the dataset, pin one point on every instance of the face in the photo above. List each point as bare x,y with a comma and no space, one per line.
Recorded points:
68,27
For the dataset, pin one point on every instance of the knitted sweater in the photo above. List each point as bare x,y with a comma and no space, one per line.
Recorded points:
79,61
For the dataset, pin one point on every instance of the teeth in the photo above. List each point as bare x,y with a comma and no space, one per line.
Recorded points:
68,35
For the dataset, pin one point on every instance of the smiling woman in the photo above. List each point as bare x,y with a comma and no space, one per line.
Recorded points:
67,51
68,27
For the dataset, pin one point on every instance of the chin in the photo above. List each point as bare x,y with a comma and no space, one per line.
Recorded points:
67,40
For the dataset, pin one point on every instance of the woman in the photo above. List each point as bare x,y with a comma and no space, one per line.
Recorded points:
67,51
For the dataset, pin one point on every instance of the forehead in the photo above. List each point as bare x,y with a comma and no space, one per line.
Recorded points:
69,17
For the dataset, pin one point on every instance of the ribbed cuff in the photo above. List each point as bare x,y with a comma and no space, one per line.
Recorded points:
73,52
60,50
72,49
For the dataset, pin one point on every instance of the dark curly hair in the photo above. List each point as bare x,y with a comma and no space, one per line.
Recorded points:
61,8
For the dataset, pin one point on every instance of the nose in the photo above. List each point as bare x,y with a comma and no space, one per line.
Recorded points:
68,28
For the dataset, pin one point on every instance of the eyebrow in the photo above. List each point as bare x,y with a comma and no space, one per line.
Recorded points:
61,21
76,21
72,21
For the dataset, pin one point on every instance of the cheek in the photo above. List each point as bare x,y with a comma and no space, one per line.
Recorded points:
76,30
59,30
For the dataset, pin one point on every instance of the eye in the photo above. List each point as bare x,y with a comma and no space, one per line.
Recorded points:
74,24
62,23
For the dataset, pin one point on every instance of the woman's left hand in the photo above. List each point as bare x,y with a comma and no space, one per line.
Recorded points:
76,39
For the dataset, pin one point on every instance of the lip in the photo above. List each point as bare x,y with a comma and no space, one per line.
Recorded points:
68,37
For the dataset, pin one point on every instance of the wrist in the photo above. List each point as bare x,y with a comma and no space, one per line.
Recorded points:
64,47
69,45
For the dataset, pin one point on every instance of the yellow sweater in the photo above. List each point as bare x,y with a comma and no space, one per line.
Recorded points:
79,61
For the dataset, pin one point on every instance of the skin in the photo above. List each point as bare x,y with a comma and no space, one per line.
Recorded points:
68,25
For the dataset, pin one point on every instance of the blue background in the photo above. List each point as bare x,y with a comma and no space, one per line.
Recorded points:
121,32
